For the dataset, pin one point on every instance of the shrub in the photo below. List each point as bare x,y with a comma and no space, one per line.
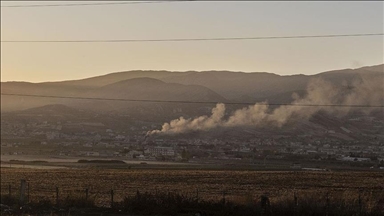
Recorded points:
9,200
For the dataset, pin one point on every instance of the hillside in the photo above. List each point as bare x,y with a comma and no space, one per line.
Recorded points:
133,89
230,85
165,85
153,89
210,86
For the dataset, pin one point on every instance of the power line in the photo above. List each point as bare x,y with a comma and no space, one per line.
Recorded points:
197,102
191,39
89,4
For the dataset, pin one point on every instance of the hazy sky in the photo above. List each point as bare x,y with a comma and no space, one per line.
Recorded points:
42,62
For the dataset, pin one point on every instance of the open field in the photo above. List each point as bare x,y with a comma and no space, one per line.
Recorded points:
70,160
55,162
236,185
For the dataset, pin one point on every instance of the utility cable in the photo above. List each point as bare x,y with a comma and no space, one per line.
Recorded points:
88,4
192,39
197,102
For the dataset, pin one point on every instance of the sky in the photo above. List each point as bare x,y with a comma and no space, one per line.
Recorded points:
38,62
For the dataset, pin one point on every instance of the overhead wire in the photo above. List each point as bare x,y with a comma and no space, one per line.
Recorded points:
194,39
197,102
89,4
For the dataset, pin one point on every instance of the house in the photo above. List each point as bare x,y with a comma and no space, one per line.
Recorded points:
159,141
141,157
109,145
132,153
296,166
89,145
244,149
348,158
94,154
120,137
311,152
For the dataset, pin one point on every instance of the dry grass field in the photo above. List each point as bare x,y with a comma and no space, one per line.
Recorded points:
237,186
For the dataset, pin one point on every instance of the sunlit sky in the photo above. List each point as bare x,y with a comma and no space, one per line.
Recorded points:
36,62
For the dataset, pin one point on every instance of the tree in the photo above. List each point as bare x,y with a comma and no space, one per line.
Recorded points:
374,158
185,155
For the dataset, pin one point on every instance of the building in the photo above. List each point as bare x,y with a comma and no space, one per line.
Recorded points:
164,151
296,166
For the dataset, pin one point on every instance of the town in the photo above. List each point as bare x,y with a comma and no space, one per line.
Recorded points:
95,140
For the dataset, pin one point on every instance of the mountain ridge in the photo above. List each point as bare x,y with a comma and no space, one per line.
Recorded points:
211,85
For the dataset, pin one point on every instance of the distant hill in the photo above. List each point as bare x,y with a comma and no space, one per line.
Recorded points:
107,79
52,112
164,85
233,85
377,68
149,89
153,89
52,109
134,89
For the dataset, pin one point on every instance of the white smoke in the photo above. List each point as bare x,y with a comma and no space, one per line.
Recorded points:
202,123
366,91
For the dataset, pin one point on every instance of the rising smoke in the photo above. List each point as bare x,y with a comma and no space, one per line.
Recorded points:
365,91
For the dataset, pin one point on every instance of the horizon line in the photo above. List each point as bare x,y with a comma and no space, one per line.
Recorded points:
186,71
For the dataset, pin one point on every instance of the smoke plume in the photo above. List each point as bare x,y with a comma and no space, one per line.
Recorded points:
367,91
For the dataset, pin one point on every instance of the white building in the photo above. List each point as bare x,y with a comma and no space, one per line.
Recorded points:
348,158
131,153
165,151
